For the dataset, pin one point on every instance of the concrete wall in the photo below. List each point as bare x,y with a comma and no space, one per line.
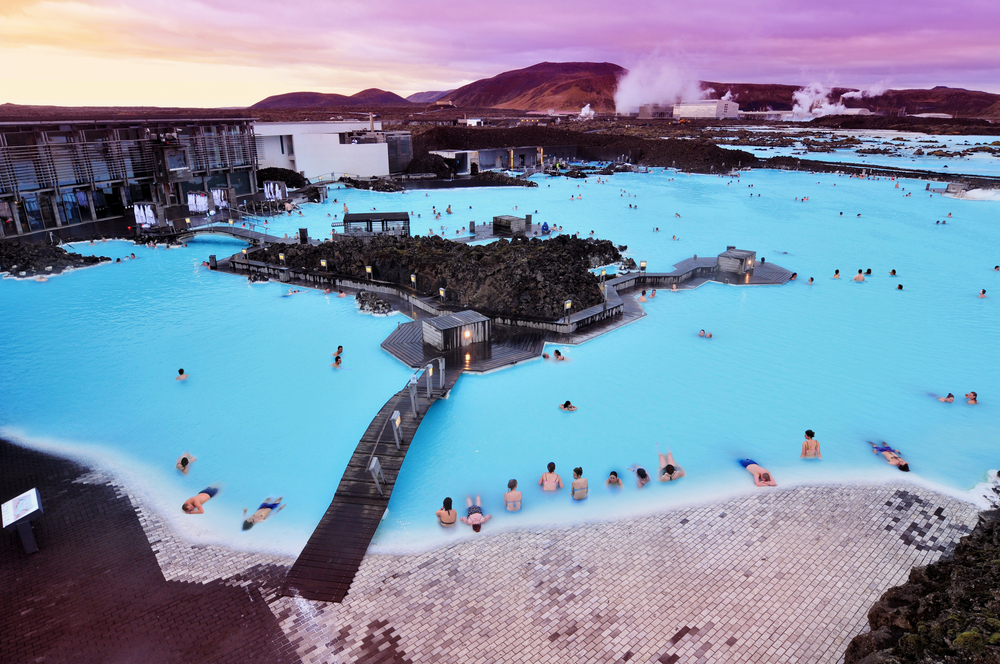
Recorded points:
315,149
709,108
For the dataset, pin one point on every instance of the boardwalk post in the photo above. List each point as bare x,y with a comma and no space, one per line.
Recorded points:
441,379
413,395
430,378
375,468
394,418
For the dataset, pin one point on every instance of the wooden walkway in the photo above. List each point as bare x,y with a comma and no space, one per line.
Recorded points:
509,346
326,567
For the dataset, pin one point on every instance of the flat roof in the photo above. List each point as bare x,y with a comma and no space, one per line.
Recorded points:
376,216
451,321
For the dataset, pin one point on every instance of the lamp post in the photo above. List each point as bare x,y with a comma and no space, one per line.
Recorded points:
368,271
322,263
281,257
604,286
441,293
413,282
642,267
567,305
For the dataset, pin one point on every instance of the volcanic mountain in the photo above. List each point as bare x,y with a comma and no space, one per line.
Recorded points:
369,97
556,85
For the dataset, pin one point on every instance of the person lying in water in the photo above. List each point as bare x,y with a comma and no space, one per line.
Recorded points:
948,399
266,509
669,469
195,504
761,477
891,455
475,517
567,406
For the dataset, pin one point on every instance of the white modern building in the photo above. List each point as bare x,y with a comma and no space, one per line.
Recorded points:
706,108
343,147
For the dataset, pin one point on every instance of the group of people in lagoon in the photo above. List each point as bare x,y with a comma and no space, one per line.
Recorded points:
669,470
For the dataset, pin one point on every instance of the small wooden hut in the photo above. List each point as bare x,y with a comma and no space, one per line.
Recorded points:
462,328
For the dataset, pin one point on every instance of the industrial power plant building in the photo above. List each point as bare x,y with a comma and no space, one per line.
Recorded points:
716,109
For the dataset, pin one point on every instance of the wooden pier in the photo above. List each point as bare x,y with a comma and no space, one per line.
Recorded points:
326,567
508,346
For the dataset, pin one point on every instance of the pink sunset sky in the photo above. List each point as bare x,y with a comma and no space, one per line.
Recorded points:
234,53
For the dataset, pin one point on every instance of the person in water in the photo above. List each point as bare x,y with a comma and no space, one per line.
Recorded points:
642,297
652,294
181,375
557,355
642,477
982,293
341,293
337,362
794,276
267,508
891,455
868,272
613,479
446,516
859,276
185,461
669,469
512,499
567,406
550,481
761,477
972,397
892,272
340,351
701,333
948,399
195,504
836,274
475,517
578,488
899,286
810,447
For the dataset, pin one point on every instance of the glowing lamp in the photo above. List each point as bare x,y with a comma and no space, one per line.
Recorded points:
368,271
322,262
468,334
413,280
567,305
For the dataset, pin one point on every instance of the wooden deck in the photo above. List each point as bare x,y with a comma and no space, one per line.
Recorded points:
326,567
509,346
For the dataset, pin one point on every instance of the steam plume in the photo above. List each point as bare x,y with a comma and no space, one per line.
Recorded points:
654,81
813,101
586,113
873,90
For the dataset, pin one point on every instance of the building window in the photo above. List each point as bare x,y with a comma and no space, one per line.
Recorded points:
69,209
281,139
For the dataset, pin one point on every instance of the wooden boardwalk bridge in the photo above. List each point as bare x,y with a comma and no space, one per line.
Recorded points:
327,565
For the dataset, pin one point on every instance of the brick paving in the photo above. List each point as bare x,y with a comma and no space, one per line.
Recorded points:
95,591
777,576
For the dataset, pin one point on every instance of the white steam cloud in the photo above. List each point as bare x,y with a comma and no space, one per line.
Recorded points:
586,113
873,90
654,81
813,101
728,96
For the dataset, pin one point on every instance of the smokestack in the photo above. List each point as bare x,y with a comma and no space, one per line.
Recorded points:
371,121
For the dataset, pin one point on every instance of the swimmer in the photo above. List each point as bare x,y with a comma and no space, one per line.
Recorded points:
446,516
972,397
859,276
475,518
293,291
558,355
810,281
948,399
794,276
641,476
195,504
810,447
996,268
836,274
642,296
674,237
673,288
708,335
892,272
567,406
891,455
340,351
181,375
184,462
337,362
512,499
550,481
669,470
868,272
341,293
701,333
982,293
613,479
545,356
267,508
761,477
677,214
579,486
653,294
899,286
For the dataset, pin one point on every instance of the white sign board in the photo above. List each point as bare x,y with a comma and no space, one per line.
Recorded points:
20,507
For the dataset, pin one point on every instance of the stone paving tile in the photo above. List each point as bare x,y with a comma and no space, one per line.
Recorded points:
778,576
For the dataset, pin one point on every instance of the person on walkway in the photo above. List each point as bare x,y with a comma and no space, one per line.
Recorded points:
512,499
266,509
185,461
891,455
567,406
579,486
810,447
446,516
195,504
669,470
550,481
475,517
761,477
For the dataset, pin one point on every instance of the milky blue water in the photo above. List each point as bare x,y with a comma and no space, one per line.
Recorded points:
94,353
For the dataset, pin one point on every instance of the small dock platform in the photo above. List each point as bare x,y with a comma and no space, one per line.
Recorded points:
326,567
509,346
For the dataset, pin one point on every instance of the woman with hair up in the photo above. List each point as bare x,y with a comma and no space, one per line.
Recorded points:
578,489
446,516
512,499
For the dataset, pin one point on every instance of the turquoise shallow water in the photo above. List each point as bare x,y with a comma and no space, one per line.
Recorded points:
95,352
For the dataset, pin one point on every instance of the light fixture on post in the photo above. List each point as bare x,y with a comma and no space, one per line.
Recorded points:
322,263
281,257
642,267
368,271
567,305
413,281
441,293
604,285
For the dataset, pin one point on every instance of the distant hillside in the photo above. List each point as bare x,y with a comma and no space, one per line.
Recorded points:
427,97
556,85
369,97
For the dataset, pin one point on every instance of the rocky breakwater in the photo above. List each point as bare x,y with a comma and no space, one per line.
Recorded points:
520,277
40,259
947,612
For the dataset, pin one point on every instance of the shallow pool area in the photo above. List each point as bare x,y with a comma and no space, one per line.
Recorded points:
96,351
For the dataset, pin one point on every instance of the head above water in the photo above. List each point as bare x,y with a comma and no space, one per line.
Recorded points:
551,467
578,472
180,372
669,469
447,504
860,272
567,404
614,474
766,477
476,527
838,271
184,462
810,433
899,286
641,472
905,467
248,523
511,485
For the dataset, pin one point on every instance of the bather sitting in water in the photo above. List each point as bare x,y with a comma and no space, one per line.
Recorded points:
579,485
948,399
972,397
512,499
810,447
892,273
557,355
982,293
836,274
891,455
859,276
761,477
641,476
642,297
567,406
181,375
613,479
810,281
266,509
475,517
446,516
550,481
184,462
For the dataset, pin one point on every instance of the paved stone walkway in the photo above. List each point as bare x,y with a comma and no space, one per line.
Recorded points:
779,576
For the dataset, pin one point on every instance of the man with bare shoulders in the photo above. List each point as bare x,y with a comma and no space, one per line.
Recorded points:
761,477
578,489
196,504
859,276
972,397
